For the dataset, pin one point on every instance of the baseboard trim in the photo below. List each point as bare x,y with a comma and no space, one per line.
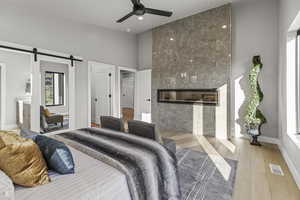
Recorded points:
291,166
269,140
265,139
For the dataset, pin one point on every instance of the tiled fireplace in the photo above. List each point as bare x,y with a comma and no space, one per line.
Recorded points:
191,60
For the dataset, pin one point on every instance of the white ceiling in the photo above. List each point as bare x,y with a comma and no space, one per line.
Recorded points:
104,13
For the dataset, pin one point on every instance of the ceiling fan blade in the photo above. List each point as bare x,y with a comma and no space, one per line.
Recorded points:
158,12
125,17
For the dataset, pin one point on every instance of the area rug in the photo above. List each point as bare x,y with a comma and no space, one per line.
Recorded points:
201,179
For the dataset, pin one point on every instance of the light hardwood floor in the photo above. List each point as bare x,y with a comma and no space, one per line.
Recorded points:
254,180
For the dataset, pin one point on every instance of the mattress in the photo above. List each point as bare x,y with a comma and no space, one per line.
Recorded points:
93,180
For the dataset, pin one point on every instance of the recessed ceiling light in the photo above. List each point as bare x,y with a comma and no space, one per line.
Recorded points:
224,26
172,39
128,30
140,17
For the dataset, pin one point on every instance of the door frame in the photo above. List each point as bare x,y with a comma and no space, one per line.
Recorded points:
2,96
113,89
37,94
118,93
35,120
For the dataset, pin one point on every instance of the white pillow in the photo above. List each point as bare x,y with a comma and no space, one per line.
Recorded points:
7,189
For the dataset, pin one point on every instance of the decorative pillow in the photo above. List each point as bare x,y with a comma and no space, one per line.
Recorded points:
144,129
22,160
47,112
57,155
7,189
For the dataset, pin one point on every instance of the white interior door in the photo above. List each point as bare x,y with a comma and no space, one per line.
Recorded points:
103,103
144,95
102,91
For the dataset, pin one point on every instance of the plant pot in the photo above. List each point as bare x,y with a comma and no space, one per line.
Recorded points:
254,131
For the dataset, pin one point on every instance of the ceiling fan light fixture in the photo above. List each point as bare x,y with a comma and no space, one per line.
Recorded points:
139,10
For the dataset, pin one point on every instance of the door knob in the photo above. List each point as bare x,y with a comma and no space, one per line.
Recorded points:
96,99
148,100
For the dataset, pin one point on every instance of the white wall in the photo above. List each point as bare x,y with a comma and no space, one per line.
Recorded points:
18,71
2,95
82,93
254,31
87,41
288,10
1,116
145,50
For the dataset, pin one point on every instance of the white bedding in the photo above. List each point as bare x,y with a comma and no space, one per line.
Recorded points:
93,180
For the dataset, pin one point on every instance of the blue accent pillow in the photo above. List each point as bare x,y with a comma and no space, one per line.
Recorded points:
57,155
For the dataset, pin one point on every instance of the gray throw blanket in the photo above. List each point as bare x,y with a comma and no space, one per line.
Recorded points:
150,169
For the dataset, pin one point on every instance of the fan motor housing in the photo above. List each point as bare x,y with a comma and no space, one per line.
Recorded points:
139,9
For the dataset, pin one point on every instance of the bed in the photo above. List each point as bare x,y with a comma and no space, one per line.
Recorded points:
111,165
92,180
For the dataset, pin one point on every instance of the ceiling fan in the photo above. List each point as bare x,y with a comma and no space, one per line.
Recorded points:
139,10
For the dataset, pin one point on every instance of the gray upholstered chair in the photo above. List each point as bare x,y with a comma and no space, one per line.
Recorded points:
112,123
53,119
148,130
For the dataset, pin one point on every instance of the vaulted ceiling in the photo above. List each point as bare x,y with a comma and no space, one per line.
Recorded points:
104,13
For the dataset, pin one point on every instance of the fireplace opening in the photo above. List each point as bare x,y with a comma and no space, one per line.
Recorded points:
188,96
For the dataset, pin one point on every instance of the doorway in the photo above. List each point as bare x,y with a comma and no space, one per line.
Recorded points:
127,94
102,91
54,108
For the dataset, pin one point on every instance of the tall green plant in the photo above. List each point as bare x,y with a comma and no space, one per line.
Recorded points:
254,117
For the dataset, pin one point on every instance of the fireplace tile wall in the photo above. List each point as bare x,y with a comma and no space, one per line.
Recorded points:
192,53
